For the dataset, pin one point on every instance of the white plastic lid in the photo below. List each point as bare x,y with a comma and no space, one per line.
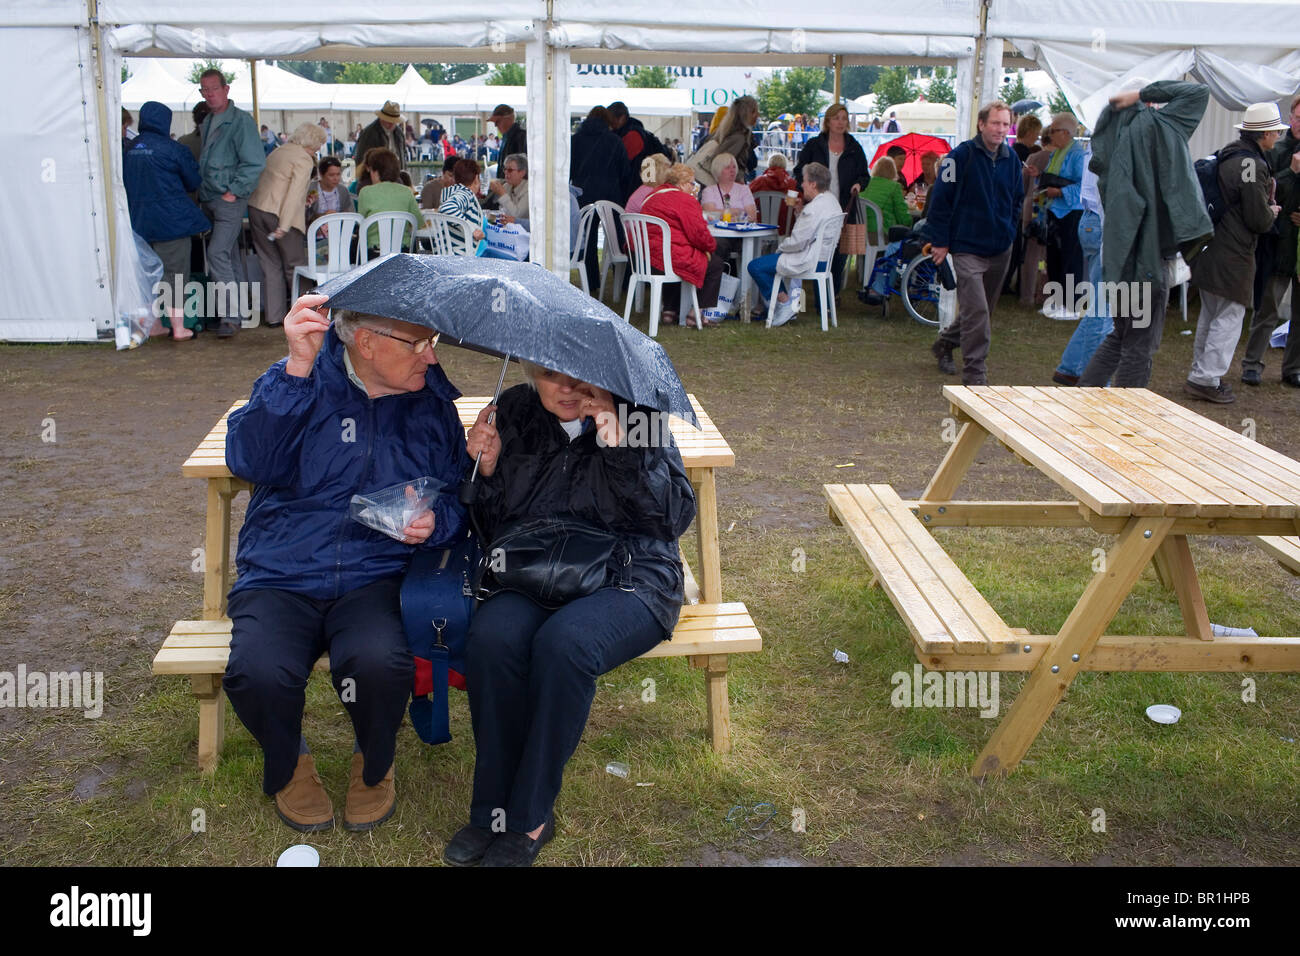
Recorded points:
299,855
1164,713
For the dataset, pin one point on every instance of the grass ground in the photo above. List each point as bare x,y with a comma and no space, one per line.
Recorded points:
96,533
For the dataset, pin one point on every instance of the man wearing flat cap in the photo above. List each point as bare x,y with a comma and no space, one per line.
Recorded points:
514,138
386,132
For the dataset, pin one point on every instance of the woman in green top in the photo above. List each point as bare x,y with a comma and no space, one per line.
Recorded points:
885,191
385,193
887,194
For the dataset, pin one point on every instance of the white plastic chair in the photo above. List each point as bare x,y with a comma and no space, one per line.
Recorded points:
577,260
769,210
342,230
610,213
392,228
875,238
826,239
638,242
448,235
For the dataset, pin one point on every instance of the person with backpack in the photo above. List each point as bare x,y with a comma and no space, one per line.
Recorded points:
637,140
1153,208
1279,270
1224,273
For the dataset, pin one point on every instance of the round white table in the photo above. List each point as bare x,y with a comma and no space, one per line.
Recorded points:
750,237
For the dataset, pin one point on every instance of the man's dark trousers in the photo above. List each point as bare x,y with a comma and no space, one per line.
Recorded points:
276,638
979,283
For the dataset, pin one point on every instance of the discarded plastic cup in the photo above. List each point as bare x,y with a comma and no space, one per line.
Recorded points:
618,769
299,855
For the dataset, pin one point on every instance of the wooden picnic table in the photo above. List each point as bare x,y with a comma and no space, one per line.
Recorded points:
702,451
1135,465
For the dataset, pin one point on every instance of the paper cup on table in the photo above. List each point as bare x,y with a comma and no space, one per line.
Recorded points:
1164,713
299,855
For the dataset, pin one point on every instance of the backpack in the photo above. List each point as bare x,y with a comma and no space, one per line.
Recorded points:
438,597
1207,174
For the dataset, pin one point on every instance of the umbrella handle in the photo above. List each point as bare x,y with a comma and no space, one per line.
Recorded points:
468,489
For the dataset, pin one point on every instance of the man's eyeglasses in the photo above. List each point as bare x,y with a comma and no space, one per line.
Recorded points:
417,345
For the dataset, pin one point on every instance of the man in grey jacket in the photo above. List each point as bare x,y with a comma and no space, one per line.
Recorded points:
1225,272
231,161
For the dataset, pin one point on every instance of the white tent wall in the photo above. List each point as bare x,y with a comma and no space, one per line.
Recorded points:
55,254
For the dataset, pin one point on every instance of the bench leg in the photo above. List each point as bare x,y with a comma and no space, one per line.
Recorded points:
715,680
212,718
706,525
1177,557
1080,633
956,463
216,577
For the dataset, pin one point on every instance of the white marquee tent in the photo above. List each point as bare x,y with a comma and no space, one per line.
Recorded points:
65,57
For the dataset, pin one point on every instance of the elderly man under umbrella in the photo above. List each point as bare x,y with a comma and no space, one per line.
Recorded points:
355,408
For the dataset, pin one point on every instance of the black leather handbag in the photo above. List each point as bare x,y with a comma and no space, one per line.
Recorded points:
554,560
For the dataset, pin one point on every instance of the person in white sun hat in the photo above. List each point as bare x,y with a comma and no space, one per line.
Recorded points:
1225,272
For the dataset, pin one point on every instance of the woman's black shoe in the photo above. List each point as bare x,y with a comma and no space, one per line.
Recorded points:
467,847
518,849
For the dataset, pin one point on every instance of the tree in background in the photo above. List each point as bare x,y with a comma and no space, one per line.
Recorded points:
651,78
441,74
855,81
370,73
1013,87
125,73
894,86
1058,103
200,68
940,88
791,91
507,74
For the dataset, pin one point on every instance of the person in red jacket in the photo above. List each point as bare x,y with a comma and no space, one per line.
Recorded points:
777,179
692,246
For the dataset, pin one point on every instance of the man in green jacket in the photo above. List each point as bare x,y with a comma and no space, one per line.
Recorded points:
1154,209
231,161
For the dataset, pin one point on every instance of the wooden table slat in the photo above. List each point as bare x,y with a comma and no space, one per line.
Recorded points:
1074,477
1162,457
1081,442
1240,455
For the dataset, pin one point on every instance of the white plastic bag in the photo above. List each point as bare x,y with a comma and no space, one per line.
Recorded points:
391,509
728,293
508,239
139,272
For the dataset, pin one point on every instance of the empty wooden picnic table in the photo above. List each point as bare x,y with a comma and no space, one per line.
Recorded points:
1136,465
702,450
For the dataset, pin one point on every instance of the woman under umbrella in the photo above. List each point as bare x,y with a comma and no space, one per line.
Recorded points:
555,450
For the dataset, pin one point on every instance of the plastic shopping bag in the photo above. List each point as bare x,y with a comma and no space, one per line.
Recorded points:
510,239
139,273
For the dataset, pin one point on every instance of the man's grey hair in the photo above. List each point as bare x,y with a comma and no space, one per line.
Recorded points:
347,322
818,175
519,159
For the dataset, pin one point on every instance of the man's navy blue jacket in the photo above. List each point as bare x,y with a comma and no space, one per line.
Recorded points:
308,445
975,202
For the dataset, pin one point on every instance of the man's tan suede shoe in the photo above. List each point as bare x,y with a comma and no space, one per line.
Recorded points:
367,807
303,803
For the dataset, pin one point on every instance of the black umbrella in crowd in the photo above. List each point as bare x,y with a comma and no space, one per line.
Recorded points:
516,310
1020,107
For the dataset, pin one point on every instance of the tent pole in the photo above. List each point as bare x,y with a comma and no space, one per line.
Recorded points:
977,64
837,64
105,156
257,112
549,127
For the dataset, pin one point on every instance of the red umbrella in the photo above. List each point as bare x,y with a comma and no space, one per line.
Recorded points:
914,144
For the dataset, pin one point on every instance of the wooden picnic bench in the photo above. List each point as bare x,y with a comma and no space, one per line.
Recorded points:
1139,467
708,632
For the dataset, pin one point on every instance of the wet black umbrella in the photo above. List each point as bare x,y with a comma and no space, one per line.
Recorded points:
516,310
